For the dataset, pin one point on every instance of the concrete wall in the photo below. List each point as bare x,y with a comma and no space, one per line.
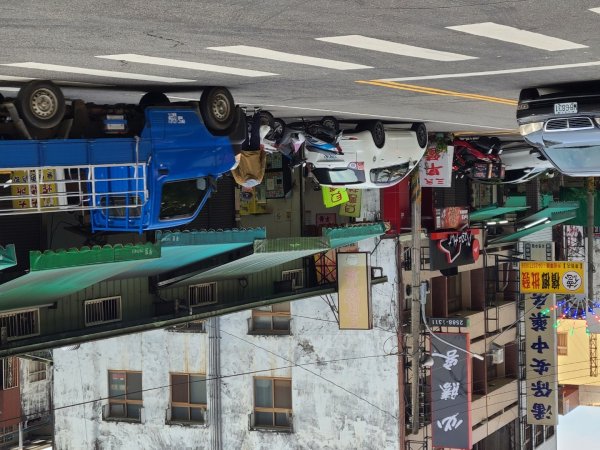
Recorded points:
345,394
36,397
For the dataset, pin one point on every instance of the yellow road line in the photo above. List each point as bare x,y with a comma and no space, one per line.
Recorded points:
440,92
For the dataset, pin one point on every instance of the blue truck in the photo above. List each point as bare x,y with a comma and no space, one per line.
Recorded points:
132,167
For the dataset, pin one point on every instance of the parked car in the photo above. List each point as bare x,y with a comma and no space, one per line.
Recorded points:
565,127
371,156
523,163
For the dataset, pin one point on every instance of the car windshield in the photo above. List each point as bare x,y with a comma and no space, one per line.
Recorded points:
180,199
339,176
391,174
575,159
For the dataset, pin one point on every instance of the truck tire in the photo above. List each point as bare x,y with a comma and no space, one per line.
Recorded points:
217,109
41,104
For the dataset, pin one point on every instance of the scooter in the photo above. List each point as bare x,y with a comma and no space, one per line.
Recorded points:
468,154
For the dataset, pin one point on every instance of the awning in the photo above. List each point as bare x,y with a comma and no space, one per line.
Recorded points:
554,219
182,248
554,208
512,204
59,273
8,256
272,252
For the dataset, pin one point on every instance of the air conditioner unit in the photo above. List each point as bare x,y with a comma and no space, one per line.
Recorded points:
497,354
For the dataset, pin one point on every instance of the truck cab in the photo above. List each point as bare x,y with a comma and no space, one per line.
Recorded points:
133,167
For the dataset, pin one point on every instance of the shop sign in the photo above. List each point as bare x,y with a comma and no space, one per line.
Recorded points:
451,391
354,291
454,217
453,249
334,196
540,359
352,207
435,168
448,321
552,277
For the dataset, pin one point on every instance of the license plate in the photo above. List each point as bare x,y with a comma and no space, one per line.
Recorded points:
565,108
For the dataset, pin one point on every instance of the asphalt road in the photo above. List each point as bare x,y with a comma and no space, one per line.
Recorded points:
471,84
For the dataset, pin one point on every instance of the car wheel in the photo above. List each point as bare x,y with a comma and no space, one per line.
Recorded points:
153,99
217,109
377,132
278,127
266,118
331,122
41,104
421,131
528,94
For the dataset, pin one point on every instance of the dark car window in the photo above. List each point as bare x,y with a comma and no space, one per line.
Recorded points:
180,199
575,159
339,176
391,174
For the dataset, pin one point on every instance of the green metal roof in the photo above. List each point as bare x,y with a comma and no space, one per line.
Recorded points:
557,218
272,252
8,256
512,204
59,273
553,208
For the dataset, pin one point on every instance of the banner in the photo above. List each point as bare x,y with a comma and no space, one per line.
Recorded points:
552,277
452,249
435,168
451,391
540,360
334,196
352,207
453,217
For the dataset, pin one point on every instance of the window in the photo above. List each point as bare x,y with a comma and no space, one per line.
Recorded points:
274,319
539,434
193,326
188,398
272,403
37,370
125,392
10,373
296,276
181,199
20,324
8,433
562,343
202,294
102,310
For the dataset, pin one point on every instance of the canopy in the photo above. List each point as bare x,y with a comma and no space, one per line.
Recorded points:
512,204
8,256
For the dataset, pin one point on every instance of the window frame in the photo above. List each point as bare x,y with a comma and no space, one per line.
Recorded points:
189,405
273,410
35,373
562,350
122,399
257,312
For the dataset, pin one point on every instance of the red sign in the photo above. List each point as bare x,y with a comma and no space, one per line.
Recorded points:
451,249
453,217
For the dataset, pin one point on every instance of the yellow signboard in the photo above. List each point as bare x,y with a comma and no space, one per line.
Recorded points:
352,207
334,196
354,291
552,277
26,186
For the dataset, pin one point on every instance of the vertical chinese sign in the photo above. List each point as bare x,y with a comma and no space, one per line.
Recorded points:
451,391
352,207
435,168
541,361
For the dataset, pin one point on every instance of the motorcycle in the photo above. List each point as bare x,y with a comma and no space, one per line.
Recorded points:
477,158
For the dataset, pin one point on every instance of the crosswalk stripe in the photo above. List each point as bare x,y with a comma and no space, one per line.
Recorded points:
380,45
265,53
516,36
97,72
142,59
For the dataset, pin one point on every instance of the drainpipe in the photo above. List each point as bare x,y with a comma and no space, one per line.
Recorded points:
590,236
214,375
415,313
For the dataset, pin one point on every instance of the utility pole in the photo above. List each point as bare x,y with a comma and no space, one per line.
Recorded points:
591,189
415,314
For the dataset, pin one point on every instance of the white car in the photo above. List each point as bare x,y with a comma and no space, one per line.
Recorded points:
523,163
373,156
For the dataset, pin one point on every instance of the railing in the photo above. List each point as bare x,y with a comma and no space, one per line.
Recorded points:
106,415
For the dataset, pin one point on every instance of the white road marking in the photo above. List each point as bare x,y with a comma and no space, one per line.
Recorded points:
97,72
495,72
142,59
350,113
265,53
596,10
516,36
380,45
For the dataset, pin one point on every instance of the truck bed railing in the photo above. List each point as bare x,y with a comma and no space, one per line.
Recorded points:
26,190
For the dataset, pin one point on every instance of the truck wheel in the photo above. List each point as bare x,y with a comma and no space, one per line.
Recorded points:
41,104
421,130
217,109
153,99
